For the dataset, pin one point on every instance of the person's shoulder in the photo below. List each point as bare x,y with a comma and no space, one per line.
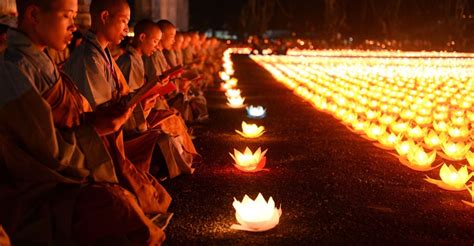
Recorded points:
14,82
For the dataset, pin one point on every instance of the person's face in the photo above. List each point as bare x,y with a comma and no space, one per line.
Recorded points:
167,40
149,42
178,42
116,24
55,27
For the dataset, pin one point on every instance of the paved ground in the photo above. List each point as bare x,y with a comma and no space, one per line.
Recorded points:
334,186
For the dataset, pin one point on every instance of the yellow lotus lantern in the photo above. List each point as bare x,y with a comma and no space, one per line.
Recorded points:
433,140
470,158
416,132
235,102
256,215
232,93
451,178
388,141
404,147
399,127
418,159
251,130
454,151
440,126
456,132
374,131
248,161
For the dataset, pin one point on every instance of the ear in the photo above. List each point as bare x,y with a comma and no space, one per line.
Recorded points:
32,13
142,37
104,15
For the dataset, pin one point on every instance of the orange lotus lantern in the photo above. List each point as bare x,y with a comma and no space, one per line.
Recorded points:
256,215
235,102
451,178
248,161
455,151
251,130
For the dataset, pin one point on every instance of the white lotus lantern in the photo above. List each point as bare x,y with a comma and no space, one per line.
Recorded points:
248,161
233,93
235,102
256,112
224,76
251,130
451,178
256,215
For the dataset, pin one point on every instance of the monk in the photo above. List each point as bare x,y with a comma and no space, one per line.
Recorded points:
173,149
193,98
59,184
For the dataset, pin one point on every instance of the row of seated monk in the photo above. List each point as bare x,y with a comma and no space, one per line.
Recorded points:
79,163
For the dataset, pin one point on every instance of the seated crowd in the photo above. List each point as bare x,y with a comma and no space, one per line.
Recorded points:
83,152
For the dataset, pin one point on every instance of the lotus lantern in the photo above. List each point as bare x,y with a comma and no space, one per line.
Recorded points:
455,151
418,157
224,76
470,158
248,161
251,130
416,132
256,112
235,102
256,215
399,127
433,140
232,93
374,131
451,178
404,147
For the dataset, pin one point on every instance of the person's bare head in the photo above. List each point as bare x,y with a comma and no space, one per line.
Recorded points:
147,36
178,44
110,19
48,22
195,40
186,40
169,33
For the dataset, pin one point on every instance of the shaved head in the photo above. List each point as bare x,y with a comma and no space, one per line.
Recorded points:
22,5
112,6
145,26
165,25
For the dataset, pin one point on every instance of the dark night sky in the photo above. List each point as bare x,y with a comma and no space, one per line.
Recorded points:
219,14
417,18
